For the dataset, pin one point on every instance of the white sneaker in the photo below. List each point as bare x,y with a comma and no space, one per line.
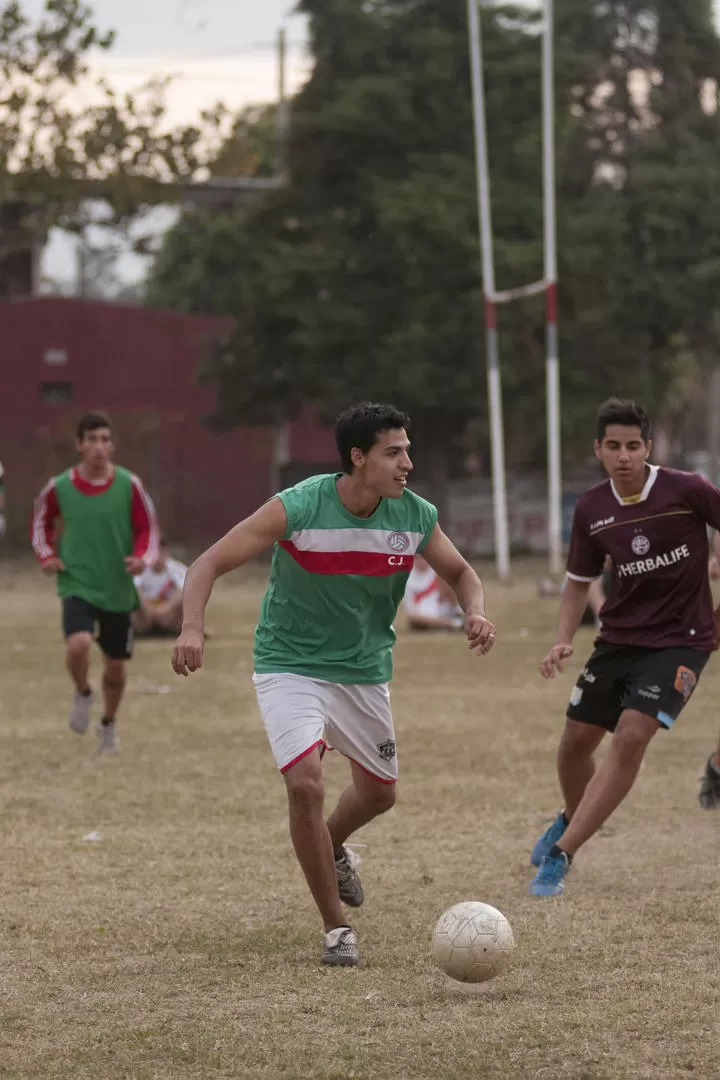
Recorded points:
108,742
340,947
79,718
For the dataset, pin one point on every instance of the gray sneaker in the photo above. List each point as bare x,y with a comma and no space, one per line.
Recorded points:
709,794
349,884
340,947
107,738
79,718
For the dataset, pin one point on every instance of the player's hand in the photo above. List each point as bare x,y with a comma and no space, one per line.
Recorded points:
554,660
134,565
480,633
188,652
53,565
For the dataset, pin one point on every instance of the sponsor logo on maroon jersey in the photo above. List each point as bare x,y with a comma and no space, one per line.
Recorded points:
654,562
685,681
640,544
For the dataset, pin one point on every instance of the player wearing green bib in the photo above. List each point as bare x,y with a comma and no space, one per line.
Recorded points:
108,533
344,546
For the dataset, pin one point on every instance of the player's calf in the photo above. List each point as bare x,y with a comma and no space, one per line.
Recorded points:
310,836
78,665
349,885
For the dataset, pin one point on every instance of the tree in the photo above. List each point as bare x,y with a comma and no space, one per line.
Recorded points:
251,148
382,193
361,278
54,157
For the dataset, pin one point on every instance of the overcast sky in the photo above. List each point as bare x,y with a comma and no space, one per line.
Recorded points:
215,49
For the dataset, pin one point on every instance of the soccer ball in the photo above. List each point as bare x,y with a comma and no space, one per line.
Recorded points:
472,942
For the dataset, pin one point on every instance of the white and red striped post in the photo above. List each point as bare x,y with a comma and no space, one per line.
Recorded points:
551,331
497,440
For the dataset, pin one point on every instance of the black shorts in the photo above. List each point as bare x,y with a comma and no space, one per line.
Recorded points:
115,634
657,682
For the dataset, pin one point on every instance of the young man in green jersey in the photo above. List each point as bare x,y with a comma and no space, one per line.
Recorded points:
108,533
344,546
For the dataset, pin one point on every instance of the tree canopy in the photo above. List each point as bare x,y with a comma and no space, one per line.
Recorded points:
361,277
56,153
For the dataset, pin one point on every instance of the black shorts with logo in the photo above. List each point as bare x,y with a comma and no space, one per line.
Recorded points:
657,682
115,635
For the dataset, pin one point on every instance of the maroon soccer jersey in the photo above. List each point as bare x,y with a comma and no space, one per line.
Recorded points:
660,592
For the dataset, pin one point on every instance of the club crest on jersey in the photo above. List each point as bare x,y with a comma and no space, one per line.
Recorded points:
685,681
386,750
398,542
640,544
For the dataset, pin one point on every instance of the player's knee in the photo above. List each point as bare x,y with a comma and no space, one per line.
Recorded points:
381,797
577,740
114,672
306,792
630,740
79,645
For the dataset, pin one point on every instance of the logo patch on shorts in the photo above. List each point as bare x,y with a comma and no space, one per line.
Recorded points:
640,544
685,681
386,750
398,542
576,695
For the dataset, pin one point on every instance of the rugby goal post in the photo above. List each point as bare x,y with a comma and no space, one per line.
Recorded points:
492,297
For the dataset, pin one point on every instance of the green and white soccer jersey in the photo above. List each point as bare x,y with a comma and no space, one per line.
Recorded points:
336,583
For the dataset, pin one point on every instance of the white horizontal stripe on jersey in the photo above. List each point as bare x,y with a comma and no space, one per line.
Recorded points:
379,541
586,580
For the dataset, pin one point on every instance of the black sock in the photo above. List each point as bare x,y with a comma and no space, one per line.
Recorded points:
555,853
566,819
339,854
107,720
87,691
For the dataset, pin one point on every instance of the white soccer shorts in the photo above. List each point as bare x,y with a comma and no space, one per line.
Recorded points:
301,713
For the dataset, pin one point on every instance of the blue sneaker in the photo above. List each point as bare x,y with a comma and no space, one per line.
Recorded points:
549,879
548,840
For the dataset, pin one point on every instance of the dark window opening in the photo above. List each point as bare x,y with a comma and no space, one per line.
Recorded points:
55,392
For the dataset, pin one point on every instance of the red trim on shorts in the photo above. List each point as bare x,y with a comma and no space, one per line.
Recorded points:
323,747
380,779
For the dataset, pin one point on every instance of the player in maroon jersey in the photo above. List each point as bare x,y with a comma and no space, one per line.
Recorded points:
658,626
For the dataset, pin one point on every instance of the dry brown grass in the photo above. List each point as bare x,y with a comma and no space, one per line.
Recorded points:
183,943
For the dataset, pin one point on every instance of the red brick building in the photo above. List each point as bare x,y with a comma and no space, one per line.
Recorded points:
60,357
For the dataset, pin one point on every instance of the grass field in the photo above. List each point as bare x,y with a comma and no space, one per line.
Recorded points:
182,943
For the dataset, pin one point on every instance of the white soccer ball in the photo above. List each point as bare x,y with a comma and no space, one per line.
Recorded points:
472,942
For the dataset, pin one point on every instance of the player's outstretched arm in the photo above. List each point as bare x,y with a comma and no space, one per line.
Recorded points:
572,606
243,543
455,571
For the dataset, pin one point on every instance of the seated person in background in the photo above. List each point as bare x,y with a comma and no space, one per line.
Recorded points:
160,588
429,603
